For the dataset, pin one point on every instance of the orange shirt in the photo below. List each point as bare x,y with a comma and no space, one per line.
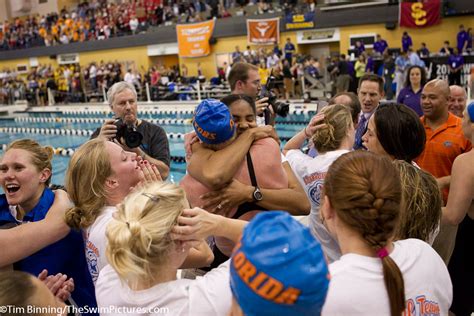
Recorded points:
443,146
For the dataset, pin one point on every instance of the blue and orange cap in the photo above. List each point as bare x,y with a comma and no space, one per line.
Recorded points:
213,122
278,268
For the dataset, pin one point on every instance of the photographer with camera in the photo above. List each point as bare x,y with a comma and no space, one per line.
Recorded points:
146,139
244,79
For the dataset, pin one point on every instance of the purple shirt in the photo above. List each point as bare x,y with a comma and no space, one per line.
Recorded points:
455,61
411,99
406,43
361,48
463,37
380,46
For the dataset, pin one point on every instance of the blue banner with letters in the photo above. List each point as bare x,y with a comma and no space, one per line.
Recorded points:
299,21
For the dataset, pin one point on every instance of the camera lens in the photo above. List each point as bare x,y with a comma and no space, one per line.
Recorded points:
133,139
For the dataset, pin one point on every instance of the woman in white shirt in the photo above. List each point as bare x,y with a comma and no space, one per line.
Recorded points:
144,254
99,176
374,274
332,137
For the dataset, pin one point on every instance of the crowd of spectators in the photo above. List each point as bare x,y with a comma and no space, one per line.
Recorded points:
101,19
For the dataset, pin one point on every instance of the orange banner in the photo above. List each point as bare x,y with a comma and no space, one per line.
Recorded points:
263,32
193,39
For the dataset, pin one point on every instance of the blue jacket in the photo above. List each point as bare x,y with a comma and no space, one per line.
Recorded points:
66,256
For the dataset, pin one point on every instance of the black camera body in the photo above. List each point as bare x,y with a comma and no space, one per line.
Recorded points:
280,108
128,133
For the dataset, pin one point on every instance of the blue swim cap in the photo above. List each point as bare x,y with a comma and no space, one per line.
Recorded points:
470,111
213,122
278,268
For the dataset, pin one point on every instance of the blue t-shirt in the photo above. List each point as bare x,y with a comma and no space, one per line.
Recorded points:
380,46
455,61
66,256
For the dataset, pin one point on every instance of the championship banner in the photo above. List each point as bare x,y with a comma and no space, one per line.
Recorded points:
193,39
299,21
263,32
420,14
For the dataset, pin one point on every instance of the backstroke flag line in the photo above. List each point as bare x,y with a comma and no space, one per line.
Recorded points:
193,39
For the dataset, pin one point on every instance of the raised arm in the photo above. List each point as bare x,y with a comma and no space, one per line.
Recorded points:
461,190
217,168
197,224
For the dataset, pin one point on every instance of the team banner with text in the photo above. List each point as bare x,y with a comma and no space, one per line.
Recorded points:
299,21
420,14
193,39
264,31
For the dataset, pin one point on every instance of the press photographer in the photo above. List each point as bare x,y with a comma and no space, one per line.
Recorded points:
275,107
244,79
146,139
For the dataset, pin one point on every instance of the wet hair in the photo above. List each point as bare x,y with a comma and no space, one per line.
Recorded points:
117,88
372,78
87,172
230,99
364,189
240,72
16,289
423,76
420,213
338,120
354,106
139,235
41,156
399,131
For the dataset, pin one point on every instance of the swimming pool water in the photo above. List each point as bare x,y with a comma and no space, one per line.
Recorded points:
60,163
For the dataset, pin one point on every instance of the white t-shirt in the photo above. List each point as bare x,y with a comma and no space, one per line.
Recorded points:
96,242
311,173
206,296
357,286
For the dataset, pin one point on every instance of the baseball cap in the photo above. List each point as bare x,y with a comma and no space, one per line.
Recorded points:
278,268
212,122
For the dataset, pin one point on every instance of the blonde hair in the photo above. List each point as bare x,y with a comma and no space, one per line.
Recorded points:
338,120
420,213
139,236
364,189
40,156
88,170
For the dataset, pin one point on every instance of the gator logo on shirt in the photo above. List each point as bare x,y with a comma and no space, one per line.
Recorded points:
314,191
448,143
92,255
421,306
